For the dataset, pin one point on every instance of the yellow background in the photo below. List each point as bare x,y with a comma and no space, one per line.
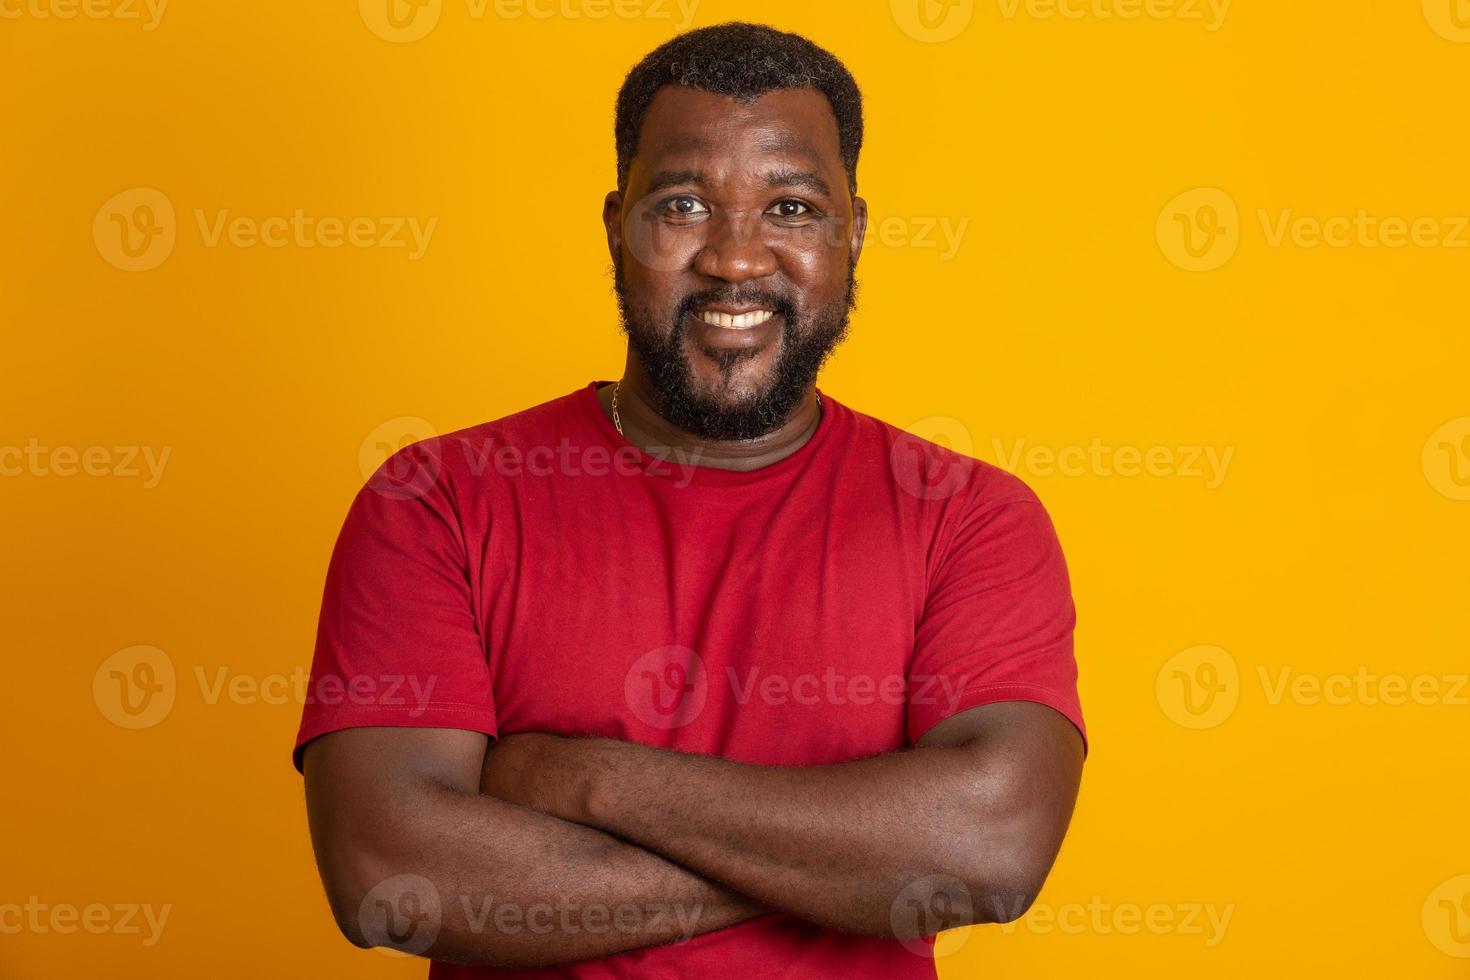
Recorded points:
1333,543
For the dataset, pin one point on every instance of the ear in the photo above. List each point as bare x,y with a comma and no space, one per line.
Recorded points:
612,221
859,227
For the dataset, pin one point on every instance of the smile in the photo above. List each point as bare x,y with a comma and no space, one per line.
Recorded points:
740,321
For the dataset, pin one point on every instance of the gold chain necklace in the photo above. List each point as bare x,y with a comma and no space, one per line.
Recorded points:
618,420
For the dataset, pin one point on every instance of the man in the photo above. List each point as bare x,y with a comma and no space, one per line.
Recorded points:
701,672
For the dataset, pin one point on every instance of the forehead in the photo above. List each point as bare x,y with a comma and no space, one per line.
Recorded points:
687,125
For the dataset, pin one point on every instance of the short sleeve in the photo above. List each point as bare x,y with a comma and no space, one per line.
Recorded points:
397,642
998,620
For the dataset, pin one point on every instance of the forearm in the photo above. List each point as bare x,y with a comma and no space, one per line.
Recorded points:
833,844
518,888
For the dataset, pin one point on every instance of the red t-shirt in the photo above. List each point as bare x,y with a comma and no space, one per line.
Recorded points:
539,573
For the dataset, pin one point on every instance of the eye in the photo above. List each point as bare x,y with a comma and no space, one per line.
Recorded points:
684,206
790,208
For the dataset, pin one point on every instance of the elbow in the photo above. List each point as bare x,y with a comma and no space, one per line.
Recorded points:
994,892
374,895
1000,867
349,882
1004,883
1006,899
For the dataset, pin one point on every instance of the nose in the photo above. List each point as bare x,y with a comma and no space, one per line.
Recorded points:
734,248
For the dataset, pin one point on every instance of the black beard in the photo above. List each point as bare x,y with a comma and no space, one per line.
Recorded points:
805,346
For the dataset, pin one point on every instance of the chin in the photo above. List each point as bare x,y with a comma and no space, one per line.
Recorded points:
733,385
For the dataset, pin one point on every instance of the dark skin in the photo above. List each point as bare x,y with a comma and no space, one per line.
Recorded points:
764,200
983,799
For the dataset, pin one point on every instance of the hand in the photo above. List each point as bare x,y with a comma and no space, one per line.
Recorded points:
549,773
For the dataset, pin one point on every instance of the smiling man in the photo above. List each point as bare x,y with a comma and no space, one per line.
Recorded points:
739,682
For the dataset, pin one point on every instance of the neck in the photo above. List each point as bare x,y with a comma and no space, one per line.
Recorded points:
645,428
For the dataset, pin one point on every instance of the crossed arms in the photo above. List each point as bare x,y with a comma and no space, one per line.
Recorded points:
589,829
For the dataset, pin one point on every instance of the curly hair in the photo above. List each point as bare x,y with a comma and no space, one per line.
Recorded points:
743,61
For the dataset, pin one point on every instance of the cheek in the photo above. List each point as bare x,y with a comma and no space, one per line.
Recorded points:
816,268
657,294
655,247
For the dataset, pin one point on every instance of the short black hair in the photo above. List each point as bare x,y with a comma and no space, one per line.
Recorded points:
743,61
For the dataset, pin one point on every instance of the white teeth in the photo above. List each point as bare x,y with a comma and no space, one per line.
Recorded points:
742,322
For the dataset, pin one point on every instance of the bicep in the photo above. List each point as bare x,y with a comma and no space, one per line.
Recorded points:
1021,736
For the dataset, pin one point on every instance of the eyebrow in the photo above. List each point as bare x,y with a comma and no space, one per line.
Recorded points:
780,177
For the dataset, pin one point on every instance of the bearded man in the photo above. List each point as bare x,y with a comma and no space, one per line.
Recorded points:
698,672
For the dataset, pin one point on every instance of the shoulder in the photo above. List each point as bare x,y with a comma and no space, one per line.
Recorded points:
932,461
446,465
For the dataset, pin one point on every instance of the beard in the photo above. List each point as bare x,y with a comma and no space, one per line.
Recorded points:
807,340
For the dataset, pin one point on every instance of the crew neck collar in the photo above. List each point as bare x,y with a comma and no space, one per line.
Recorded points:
678,468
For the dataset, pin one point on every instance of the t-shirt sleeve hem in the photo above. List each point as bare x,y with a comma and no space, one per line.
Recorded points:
924,717
432,715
